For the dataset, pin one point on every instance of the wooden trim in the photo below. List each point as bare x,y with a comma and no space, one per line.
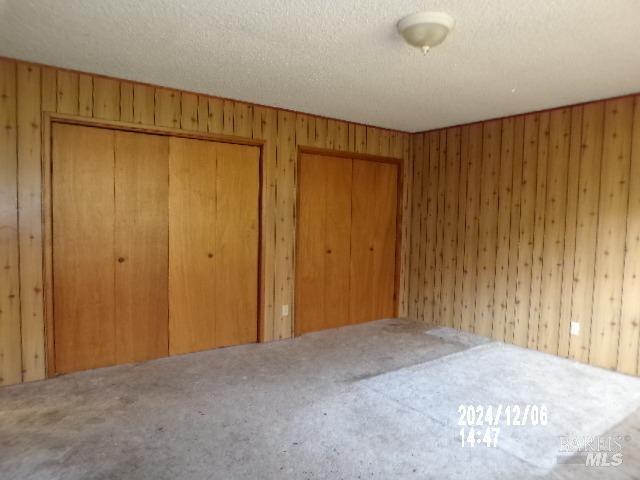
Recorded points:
399,162
48,119
327,152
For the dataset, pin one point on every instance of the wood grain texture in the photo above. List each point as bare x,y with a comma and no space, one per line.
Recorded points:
630,316
505,188
538,231
10,344
30,221
554,231
236,263
450,226
487,228
192,278
548,231
323,243
471,149
167,108
586,229
141,246
611,234
373,240
106,98
112,100
84,258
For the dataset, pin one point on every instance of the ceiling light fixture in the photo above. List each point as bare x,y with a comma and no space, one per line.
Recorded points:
425,30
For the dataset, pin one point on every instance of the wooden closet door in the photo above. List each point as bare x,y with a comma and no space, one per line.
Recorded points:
236,244
323,244
83,247
192,230
141,245
373,240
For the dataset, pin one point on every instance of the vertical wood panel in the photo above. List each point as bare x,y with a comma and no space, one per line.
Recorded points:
285,214
471,153
554,230
538,231
106,98
440,225
67,92
614,196
49,82
403,146
189,111
586,229
417,240
227,117
242,119
167,108
144,104
573,178
126,101
450,225
203,113
487,227
30,222
458,307
504,229
526,229
514,233
85,95
216,116
630,317
432,143
10,347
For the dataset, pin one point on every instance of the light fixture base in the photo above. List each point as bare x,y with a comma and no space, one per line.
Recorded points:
425,30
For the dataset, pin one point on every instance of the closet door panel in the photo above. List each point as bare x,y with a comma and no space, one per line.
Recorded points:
192,245
373,237
322,287
141,239
337,244
310,265
236,244
83,247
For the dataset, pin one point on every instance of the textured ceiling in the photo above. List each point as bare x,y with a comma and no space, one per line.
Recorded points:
343,58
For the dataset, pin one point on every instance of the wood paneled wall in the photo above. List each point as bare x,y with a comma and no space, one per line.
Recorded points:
525,224
27,90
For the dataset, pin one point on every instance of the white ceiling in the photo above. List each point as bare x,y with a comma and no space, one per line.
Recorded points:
343,58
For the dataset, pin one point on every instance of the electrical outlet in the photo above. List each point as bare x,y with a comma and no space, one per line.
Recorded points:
575,328
285,310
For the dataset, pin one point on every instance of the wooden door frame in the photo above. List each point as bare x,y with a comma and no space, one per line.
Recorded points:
48,119
325,152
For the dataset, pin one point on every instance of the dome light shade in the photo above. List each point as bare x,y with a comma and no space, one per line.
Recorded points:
425,29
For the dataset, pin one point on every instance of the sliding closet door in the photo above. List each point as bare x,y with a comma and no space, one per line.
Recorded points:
83,254
192,220
141,246
213,244
373,240
324,224
236,244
